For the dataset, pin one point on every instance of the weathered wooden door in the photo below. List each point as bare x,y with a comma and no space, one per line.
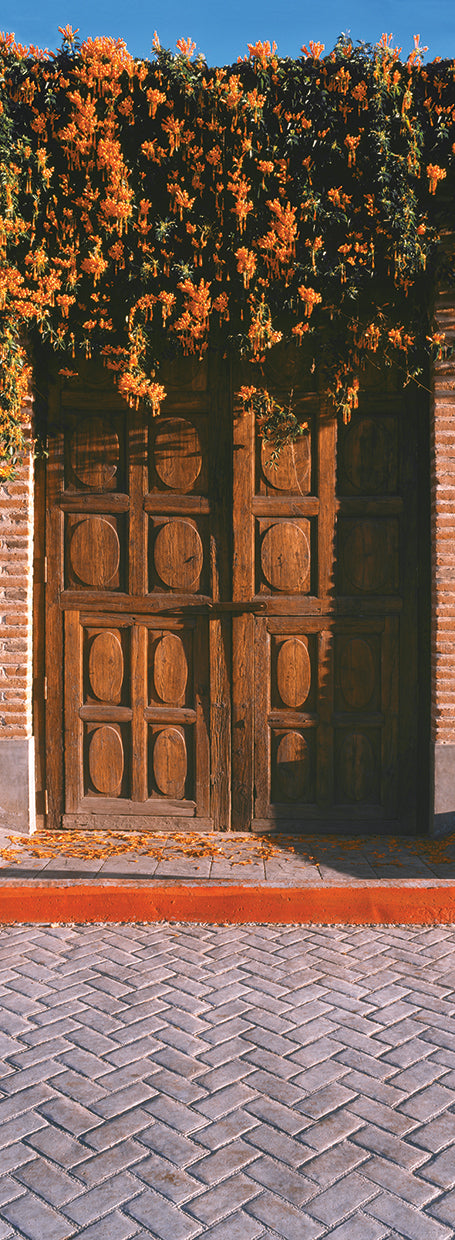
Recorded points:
228,642
327,699
137,642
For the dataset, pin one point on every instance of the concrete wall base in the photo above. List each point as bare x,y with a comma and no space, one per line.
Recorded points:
17,784
442,758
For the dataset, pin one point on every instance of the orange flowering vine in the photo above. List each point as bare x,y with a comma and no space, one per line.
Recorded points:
159,206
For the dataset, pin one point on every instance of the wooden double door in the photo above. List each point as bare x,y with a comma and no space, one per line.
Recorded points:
231,642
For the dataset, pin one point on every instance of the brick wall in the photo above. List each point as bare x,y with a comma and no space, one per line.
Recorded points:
443,535
442,449
16,648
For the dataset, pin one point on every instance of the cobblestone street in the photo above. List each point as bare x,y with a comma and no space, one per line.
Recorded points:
231,1082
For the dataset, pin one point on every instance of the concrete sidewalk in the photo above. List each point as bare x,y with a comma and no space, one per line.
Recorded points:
114,876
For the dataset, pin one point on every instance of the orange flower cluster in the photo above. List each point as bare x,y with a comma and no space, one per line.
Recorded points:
131,190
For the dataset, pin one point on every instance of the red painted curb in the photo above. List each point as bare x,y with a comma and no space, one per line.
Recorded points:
319,905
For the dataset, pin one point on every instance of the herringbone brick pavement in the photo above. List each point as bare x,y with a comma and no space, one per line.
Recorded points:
231,1082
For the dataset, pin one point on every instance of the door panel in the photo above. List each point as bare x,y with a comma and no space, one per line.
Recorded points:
329,555
134,525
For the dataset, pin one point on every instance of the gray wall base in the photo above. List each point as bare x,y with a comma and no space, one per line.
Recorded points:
443,770
17,784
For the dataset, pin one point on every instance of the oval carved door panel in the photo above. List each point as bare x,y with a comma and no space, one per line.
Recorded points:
293,672
365,458
357,767
170,763
94,453
285,557
370,556
178,555
94,552
291,472
292,765
170,669
105,760
357,674
106,667
177,454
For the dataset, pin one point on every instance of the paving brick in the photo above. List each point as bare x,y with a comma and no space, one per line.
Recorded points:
69,1115
419,1075
438,1133
270,1062
126,1075
284,1218
380,1141
57,1145
352,1191
173,1145
167,1179
176,1114
412,1225
48,1181
273,1112
408,1053
23,1101
35,1219
237,1227
20,1079
224,1100
401,1182
222,1053
112,1227
445,1209
317,1052
19,1128
99,1167
425,1105
337,1161
360,1228
123,1100
226,1030
326,1101
161,1218
224,1162
115,1130
269,1139
291,1185
91,1205
222,1200
42,1046
384,1116
322,1074
275,1087
133,1051
380,1091
329,1130
362,1062
176,1086
78,1088
87,1040
177,1061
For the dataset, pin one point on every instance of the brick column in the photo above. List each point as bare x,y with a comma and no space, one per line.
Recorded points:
442,448
17,783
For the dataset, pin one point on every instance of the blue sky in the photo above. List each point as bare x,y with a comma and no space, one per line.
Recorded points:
222,30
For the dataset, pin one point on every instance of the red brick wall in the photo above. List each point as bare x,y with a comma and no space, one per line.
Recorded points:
443,534
16,611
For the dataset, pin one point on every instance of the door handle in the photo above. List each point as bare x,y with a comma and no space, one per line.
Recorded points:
239,606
